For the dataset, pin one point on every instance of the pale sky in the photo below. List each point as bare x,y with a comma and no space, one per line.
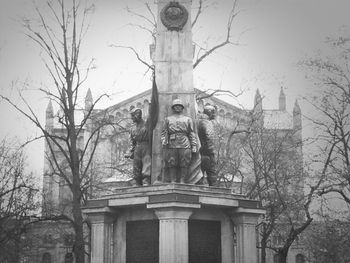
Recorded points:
278,34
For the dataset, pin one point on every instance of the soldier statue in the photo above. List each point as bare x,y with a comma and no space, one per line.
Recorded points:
140,150
206,134
179,141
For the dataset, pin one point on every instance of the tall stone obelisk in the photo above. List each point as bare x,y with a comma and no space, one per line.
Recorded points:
173,61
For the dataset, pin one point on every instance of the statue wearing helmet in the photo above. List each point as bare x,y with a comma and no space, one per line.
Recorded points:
140,150
179,141
206,134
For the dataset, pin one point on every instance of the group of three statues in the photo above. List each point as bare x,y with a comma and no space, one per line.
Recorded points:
179,142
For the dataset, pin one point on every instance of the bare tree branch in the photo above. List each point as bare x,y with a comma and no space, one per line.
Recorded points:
151,67
233,14
199,11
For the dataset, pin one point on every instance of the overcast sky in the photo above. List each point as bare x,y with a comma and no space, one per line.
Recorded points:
274,35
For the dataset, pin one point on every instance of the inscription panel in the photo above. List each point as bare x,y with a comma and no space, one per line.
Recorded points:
142,241
204,241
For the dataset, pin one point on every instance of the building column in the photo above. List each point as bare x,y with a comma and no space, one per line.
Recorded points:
245,221
101,220
173,234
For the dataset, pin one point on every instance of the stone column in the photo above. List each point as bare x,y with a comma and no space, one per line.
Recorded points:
173,234
101,234
245,221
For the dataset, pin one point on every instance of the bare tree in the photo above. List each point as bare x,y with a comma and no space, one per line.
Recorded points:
328,240
18,199
229,158
332,76
59,32
269,165
272,157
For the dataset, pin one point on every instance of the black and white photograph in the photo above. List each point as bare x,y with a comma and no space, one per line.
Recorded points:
174,131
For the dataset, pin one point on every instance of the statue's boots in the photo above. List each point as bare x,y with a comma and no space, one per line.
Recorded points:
181,178
146,180
172,174
212,179
136,183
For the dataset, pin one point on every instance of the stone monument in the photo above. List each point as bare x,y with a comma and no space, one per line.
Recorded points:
173,61
173,222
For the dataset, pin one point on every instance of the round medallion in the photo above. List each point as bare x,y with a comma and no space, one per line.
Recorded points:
174,16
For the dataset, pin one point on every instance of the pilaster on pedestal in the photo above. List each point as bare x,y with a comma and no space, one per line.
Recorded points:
101,220
173,233
245,221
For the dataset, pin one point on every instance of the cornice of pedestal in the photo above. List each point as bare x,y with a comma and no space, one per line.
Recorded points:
179,1
175,195
172,205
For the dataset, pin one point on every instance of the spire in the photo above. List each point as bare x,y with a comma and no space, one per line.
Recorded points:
257,101
282,101
49,115
297,116
296,109
49,110
297,126
88,100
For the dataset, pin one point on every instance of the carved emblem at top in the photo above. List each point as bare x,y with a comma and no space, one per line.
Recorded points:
174,16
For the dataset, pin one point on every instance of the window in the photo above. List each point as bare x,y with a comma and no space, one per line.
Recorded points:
300,258
68,239
48,239
46,258
68,258
276,258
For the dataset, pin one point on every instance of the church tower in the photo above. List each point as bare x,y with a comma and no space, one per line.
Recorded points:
282,101
50,180
297,127
88,102
297,135
297,124
258,115
257,101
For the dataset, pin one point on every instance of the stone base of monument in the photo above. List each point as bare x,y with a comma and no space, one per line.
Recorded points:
173,223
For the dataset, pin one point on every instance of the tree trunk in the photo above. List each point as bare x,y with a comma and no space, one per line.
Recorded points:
283,255
79,246
263,250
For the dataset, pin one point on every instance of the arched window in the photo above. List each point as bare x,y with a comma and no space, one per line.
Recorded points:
68,258
68,239
111,118
46,258
300,258
228,115
126,112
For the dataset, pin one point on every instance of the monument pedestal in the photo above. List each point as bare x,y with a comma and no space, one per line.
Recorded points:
173,223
